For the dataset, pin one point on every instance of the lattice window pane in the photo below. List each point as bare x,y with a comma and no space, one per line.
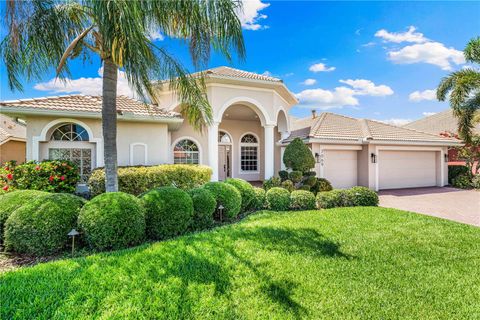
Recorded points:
186,152
70,132
81,157
249,138
249,158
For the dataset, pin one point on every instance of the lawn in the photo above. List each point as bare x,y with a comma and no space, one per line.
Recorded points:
363,263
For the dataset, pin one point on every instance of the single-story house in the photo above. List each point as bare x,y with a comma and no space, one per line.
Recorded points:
12,140
246,139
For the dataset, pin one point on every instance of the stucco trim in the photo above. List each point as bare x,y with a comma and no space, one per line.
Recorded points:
258,145
145,150
263,116
200,149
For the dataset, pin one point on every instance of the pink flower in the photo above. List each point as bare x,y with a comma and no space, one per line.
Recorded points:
37,168
10,176
62,178
51,178
5,188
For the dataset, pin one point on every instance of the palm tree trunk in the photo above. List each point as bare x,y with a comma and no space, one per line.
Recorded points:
109,124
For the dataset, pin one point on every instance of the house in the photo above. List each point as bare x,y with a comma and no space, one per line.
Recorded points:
246,139
12,140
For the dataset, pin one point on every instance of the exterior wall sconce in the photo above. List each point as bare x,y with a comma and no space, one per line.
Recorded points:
373,156
445,157
317,157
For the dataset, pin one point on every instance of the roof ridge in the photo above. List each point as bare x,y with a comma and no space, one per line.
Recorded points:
365,128
317,123
430,116
404,128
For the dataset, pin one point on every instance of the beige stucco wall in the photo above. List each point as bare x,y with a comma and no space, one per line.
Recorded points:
12,150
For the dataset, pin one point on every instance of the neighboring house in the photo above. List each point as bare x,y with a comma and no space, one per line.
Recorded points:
12,140
246,139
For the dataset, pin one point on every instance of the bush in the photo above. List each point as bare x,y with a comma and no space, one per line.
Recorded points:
226,195
258,202
271,183
298,156
463,181
321,186
304,187
363,196
455,171
113,220
331,199
476,181
278,199
310,174
168,212
40,227
288,184
283,175
204,205
137,180
11,201
49,175
302,200
246,190
310,181
295,176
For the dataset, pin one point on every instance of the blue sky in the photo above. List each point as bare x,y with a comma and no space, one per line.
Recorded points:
378,60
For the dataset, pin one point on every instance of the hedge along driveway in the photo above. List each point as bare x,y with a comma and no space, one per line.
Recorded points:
338,263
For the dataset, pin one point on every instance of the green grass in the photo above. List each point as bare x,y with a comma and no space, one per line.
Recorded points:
346,263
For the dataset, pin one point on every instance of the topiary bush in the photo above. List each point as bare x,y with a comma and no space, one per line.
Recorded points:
11,201
204,205
168,212
455,171
330,199
288,184
476,181
283,174
271,183
246,190
226,195
363,196
302,200
258,202
295,176
40,226
304,187
321,185
278,199
298,156
310,181
113,220
137,180
463,181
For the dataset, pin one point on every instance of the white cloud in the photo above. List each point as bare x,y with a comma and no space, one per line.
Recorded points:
309,82
367,87
320,67
396,121
86,86
369,44
418,96
431,52
428,114
250,14
397,37
267,73
156,35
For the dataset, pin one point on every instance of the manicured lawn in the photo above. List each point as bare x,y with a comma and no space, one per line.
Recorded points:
364,263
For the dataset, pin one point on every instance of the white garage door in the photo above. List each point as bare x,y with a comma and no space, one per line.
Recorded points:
340,168
406,169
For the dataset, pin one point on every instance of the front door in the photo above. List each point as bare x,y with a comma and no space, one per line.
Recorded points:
224,170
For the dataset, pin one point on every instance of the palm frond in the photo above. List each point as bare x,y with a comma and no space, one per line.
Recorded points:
472,50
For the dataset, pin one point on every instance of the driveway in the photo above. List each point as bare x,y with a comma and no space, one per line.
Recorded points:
448,203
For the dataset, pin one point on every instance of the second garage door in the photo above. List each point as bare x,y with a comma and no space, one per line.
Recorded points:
341,168
406,169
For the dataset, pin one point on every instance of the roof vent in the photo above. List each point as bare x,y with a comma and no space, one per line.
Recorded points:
314,113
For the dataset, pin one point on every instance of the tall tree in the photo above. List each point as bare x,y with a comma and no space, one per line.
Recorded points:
46,34
464,89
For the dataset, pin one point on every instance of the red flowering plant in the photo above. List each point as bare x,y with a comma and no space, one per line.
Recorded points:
50,175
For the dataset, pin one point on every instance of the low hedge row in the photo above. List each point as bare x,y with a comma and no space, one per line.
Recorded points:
356,196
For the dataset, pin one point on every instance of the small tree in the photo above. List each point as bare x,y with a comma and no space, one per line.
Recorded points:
298,156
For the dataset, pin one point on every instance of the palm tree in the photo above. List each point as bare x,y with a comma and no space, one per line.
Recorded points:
464,89
46,33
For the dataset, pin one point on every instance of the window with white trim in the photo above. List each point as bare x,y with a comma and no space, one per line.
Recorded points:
224,137
70,132
249,153
186,152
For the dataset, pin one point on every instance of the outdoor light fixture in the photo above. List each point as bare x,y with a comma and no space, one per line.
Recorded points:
445,156
317,157
373,156
220,212
72,234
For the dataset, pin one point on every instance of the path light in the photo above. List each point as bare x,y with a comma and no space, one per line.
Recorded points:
220,212
72,234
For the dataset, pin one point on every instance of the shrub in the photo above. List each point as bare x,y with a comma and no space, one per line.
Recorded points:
455,171
226,195
330,199
298,156
113,220
258,202
283,175
246,190
310,174
40,227
363,196
463,181
11,201
204,205
304,187
287,184
278,199
321,186
476,181
302,200
310,181
49,175
271,183
295,176
137,180
168,212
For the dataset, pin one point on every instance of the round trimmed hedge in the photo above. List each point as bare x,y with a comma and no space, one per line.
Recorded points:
302,200
40,227
321,185
226,195
288,184
169,212
330,199
246,191
258,202
9,202
204,205
363,196
278,199
113,220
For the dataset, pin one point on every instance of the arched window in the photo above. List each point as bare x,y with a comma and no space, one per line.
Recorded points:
249,153
186,152
224,137
70,132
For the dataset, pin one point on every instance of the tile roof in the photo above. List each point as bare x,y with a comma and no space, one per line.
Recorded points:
236,73
438,123
88,104
331,126
9,128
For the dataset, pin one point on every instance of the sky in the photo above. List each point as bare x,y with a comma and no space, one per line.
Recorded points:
377,60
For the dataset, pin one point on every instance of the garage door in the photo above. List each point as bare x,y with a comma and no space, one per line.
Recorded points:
340,168
406,169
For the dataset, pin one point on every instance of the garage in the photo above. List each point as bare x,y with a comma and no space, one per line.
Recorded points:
407,169
340,168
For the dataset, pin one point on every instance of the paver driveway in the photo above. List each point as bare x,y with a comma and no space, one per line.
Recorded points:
448,203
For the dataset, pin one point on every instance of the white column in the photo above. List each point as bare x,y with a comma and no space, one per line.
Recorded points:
213,149
269,151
